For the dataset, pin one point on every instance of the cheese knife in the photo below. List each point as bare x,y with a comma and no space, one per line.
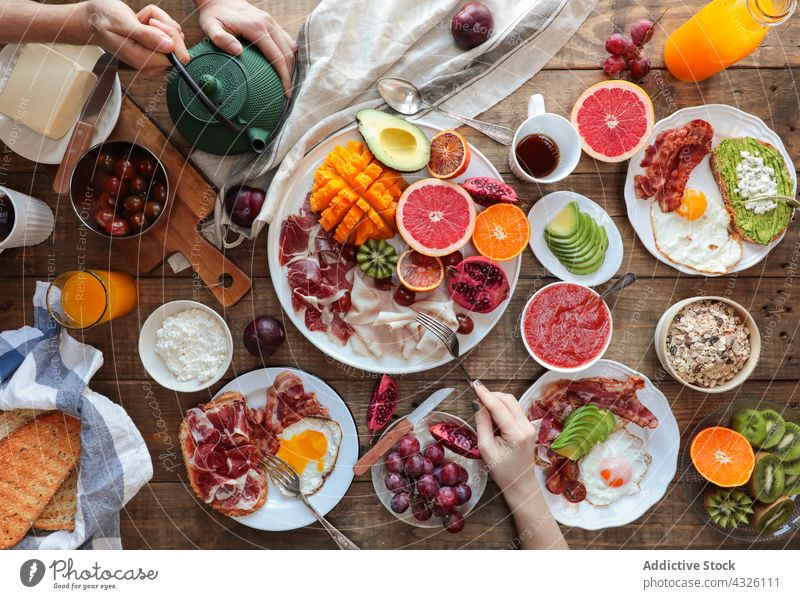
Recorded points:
405,426
105,69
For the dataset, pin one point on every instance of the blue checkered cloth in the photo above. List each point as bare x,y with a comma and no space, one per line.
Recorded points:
43,368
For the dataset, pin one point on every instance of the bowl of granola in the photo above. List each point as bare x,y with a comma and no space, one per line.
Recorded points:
710,344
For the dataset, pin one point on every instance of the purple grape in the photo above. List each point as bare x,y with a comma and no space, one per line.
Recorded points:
427,467
427,486
640,68
454,522
450,474
618,44
421,511
394,482
439,511
446,498
407,446
400,503
435,453
463,475
463,493
437,474
394,462
415,464
642,32
613,65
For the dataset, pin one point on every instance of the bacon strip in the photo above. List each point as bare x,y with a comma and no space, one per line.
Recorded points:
670,160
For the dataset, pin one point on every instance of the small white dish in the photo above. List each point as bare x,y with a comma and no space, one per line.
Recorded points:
660,342
562,369
38,148
557,128
288,513
153,363
543,212
475,468
662,443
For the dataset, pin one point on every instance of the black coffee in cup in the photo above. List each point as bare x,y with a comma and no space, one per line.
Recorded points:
6,217
538,155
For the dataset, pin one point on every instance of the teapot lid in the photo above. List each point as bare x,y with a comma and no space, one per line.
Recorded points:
224,81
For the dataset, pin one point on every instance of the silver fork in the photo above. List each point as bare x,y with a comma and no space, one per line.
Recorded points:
447,336
286,477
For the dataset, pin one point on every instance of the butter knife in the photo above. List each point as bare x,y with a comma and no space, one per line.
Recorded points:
405,426
105,69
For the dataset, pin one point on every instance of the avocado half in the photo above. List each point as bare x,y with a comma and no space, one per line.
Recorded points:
394,141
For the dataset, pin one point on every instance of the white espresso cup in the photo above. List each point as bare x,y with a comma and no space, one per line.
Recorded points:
557,128
24,220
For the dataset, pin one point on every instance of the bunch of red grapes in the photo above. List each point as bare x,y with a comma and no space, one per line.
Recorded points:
421,479
627,51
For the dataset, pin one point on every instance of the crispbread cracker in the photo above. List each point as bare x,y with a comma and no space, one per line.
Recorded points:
59,513
34,462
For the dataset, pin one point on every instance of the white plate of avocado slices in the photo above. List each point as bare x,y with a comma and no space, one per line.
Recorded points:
728,122
575,239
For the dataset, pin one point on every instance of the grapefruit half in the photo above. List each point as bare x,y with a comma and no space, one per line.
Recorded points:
614,120
435,217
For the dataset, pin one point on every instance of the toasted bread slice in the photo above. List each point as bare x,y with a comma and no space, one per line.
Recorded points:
34,462
11,420
59,513
726,198
187,449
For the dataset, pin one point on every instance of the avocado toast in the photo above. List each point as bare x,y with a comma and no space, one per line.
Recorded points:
729,160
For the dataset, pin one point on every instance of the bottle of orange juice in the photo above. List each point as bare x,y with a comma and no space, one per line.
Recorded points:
721,34
79,299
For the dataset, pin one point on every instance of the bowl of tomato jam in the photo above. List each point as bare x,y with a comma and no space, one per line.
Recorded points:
119,189
566,327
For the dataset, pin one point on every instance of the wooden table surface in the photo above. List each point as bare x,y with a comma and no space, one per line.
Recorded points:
166,514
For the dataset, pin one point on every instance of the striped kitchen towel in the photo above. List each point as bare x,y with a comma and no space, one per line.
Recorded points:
345,46
43,368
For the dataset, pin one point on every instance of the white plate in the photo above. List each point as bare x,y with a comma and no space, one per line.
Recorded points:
29,144
542,213
287,513
478,474
153,363
663,443
727,122
479,166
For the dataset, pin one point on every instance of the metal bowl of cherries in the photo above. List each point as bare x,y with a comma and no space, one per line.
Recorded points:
119,189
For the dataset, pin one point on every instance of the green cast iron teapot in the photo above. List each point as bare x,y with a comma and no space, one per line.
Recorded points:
225,104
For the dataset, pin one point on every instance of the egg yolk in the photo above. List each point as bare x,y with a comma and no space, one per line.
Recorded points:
615,472
693,204
304,447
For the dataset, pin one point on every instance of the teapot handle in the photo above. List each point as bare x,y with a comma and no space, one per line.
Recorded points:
257,143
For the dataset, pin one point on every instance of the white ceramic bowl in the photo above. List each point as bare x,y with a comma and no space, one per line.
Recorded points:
155,366
560,368
660,342
476,469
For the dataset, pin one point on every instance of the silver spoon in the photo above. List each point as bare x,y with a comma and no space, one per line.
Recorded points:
406,98
793,202
628,278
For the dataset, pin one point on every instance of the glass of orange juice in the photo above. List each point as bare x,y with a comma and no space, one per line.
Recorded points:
721,34
79,299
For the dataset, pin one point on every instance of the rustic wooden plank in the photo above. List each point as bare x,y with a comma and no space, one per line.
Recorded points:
501,355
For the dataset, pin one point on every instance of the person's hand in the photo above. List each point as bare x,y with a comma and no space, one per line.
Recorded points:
510,453
223,20
140,40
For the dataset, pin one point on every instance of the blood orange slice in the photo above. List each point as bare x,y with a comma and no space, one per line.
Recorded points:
449,155
614,120
501,232
722,456
435,217
419,272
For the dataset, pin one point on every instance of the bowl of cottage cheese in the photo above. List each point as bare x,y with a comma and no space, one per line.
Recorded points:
185,346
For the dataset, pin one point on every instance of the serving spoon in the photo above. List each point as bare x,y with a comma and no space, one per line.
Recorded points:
406,98
629,278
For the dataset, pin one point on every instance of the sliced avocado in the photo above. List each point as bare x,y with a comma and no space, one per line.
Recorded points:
588,248
589,266
584,428
394,141
582,234
565,223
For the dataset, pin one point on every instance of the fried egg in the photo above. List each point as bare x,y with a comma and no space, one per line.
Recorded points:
311,447
614,468
697,234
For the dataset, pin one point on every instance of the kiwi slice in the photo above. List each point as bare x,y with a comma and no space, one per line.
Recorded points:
728,508
751,424
788,448
766,482
775,427
377,258
768,518
792,485
791,468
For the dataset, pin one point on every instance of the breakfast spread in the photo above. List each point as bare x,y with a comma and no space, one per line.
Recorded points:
708,343
192,345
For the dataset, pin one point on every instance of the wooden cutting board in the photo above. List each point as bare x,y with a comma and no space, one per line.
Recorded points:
191,200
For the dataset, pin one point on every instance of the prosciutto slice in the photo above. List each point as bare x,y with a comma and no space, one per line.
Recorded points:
561,397
670,160
288,402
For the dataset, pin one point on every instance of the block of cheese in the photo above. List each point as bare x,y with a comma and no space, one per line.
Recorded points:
46,90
